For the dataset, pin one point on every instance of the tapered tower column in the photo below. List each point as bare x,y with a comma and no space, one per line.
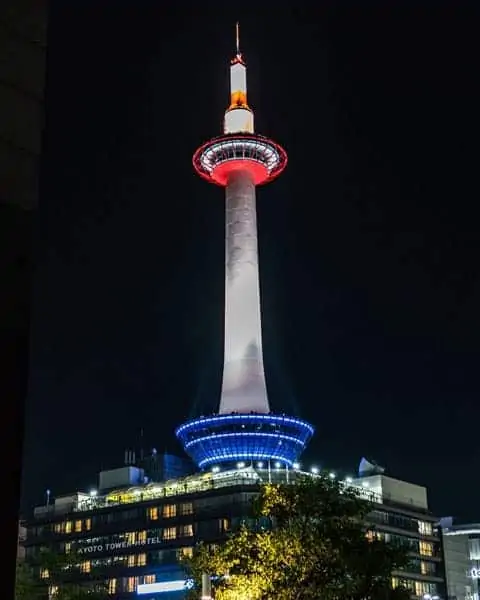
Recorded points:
244,429
243,388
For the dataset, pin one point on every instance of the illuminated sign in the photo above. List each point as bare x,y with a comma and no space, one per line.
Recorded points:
178,585
117,545
475,573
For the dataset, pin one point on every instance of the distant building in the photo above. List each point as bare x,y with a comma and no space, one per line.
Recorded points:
461,546
22,536
402,515
134,536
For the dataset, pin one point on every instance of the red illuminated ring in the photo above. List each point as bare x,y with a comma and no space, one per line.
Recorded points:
219,157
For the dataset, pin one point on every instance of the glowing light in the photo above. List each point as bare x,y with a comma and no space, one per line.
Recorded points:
216,436
261,157
202,422
278,465
332,475
236,455
215,469
260,465
240,465
296,465
164,586
238,120
93,493
314,470
349,480
475,573
244,437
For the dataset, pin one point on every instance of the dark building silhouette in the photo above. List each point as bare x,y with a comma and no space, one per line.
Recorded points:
22,73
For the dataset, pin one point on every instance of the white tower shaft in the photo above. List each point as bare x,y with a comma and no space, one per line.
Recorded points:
243,388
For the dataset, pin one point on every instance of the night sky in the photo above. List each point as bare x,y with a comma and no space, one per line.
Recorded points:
369,242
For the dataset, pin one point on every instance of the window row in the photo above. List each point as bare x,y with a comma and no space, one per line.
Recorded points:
402,522
418,588
76,526
412,544
153,513
168,511
130,560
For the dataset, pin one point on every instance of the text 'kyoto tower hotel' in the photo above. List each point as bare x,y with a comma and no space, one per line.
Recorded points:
244,430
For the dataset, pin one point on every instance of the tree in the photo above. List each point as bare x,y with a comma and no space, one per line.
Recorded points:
57,572
309,541
26,585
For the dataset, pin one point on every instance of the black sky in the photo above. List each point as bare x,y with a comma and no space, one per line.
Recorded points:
369,243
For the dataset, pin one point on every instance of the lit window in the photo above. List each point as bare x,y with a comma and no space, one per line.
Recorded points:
424,528
68,547
141,560
86,567
78,526
395,582
186,508
186,552
132,583
131,560
88,524
57,528
149,579
186,530
169,510
224,525
44,574
152,513
423,587
425,568
68,527
112,586
130,538
142,537
370,535
426,548
170,533
52,591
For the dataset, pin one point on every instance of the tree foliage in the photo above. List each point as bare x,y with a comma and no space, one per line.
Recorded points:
26,585
61,572
309,541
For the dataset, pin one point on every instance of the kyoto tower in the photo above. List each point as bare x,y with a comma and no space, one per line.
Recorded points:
244,429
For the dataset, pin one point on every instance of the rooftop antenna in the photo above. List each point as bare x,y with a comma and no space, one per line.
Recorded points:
237,37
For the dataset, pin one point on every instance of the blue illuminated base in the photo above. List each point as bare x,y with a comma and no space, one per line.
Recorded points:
229,438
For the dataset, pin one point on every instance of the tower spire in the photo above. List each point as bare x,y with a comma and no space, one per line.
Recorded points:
238,116
237,37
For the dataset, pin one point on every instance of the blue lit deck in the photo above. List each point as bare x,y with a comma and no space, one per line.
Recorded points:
234,437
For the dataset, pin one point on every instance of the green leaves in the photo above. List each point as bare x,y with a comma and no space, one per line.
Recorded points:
57,570
26,586
315,547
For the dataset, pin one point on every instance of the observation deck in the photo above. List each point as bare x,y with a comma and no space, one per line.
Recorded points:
260,156
235,437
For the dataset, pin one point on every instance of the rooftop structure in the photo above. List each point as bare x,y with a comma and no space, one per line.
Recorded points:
244,428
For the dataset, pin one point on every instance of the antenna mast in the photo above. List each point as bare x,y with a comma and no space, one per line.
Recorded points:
237,37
